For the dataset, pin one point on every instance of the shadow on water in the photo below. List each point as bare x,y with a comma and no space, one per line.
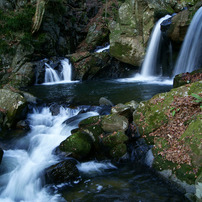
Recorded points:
89,93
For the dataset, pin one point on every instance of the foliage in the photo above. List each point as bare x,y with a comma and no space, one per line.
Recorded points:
14,26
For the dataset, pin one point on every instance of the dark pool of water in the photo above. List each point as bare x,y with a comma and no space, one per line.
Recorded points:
127,183
89,93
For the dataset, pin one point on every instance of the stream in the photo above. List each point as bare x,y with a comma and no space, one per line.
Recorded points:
26,157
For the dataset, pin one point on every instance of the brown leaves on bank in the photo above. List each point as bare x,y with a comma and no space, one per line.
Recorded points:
182,110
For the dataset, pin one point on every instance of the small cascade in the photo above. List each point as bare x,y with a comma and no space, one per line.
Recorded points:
51,75
22,178
55,76
190,57
151,59
99,50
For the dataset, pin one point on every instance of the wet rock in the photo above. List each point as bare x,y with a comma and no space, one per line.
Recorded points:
1,155
62,172
114,122
105,101
181,22
55,109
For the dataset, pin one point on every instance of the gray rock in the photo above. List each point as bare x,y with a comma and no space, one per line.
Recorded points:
114,122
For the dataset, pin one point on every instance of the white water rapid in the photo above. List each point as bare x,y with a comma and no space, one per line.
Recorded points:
22,167
151,59
53,76
190,57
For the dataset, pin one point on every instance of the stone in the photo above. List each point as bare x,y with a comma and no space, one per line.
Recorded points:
78,144
62,172
15,109
113,139
114,122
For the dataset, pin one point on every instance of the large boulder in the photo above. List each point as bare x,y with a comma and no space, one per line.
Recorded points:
171,122
13,105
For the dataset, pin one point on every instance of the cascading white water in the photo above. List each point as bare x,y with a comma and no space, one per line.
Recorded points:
190,57
23,168
150,61
53,76
103,49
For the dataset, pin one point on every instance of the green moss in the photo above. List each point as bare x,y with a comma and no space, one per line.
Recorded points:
195,88
118,151
79,144
184,172
89,121
193,137
114,139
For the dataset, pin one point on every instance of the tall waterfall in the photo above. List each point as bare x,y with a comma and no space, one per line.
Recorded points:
190,57
53,76
22,167
151,59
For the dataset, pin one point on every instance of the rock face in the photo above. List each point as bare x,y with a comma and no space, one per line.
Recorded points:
13,107
172,123
181,21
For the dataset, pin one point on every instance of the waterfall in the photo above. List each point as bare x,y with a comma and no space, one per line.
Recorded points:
151,59
54,76
21,178
190,56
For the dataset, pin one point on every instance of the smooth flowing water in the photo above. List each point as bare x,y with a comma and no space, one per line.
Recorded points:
23,164
150,63
190,57
53,76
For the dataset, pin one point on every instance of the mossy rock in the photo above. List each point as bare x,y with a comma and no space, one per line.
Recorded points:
14,109
78,144
118,151
115,138
151,114
186,78
94,120
114,122
193,138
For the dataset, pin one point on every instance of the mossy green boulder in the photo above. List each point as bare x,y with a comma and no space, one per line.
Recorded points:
13,105
78,145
